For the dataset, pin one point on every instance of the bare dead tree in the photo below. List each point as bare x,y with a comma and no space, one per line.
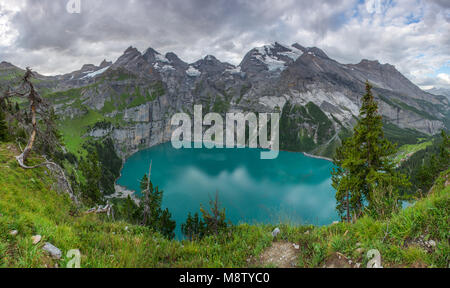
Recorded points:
107,209
146,192
38,108
28,91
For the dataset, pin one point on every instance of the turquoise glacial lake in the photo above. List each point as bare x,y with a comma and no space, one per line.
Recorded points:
292,189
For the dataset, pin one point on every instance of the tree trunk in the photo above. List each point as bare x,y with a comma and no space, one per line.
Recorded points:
30,144
348,206
147,204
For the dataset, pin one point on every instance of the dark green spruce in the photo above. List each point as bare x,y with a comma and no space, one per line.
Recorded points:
194,228
91,170
212,223
152,214
434,164
3,127
366,180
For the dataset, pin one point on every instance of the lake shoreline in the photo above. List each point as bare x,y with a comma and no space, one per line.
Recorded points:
125,158
315,156
123,193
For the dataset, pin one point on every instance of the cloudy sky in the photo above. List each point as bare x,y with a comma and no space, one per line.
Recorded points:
413,35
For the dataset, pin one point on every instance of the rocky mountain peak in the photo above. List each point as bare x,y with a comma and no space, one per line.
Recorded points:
299,47
131,50
133,61
211,65
151,55
176,61
7,65
172,57
105,64
365,63
88,67
385,76
274,57
317,52
129,55
375,65
210,58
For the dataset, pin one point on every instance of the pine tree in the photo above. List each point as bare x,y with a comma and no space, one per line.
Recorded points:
152,214
431,168
186,228
194,228
50,138
365,166
214,219
151,202
3,127
167,225
444,153
127,210
90,167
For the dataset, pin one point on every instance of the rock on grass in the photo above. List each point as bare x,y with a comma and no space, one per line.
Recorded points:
52,250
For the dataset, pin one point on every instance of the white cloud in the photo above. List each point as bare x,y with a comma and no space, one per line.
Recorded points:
7,12
442,80
445,78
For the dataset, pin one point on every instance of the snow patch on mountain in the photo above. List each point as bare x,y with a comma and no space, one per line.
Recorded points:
163,67
168,68
265,55
271,63
236,70
193,72
161,58
294,54
269,56
96,73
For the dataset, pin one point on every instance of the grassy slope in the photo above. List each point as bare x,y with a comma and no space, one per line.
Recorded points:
406,151
394,238
29,205
74,131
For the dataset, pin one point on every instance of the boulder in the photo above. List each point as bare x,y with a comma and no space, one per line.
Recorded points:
36,239
276,232
54,252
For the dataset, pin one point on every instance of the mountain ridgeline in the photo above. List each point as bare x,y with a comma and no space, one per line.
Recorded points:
132,100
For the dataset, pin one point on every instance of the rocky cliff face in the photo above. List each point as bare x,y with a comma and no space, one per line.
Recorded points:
134,97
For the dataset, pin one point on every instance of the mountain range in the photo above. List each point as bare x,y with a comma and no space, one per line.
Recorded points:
132,99
439,91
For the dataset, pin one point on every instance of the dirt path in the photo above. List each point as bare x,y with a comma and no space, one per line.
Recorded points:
281,255
285,255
